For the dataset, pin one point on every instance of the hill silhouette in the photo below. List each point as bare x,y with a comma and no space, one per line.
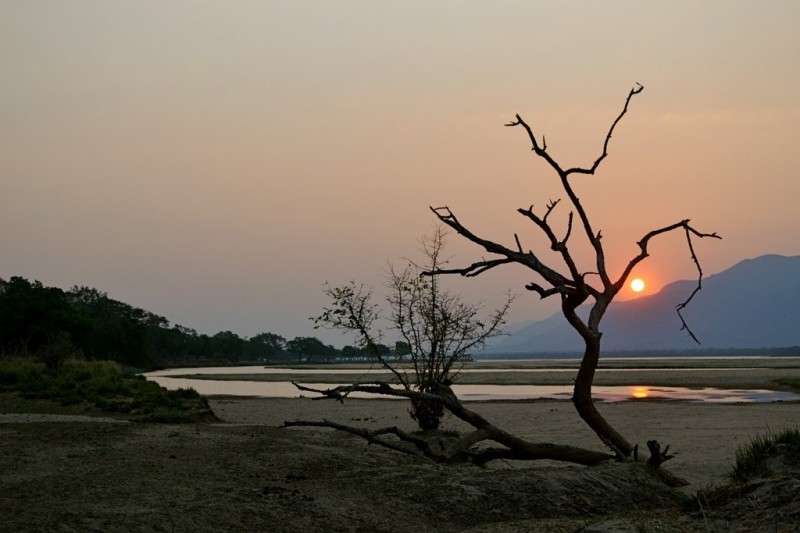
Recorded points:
753,304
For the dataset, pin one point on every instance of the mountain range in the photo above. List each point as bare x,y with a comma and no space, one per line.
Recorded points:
753,304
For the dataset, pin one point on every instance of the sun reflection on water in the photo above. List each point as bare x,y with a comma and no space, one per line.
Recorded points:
640,392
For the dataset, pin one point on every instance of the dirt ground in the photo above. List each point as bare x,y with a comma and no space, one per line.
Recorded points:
62,473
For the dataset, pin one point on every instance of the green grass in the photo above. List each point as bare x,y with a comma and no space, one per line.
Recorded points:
792,383
752,459
100,385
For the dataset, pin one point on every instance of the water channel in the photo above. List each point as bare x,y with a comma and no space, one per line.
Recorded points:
176,378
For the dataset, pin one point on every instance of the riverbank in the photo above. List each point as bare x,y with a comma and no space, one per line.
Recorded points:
133,477
704,437
60,472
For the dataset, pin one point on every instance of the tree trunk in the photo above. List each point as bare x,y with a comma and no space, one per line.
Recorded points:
582,399
427,413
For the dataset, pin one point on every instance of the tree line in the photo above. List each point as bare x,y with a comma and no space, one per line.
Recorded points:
53,324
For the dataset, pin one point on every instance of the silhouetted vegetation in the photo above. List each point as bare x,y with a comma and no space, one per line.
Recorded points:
792,383
563,276
53,325
101,385
439,329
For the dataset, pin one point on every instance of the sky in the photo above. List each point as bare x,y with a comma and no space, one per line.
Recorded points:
217,162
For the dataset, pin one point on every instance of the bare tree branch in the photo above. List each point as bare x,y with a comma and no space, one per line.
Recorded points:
594,237
519,245
678,308
352,310
555,244
657,459
643,253
519,448
527,259
472,270
544,293
541,151
591,170
422,449
569,231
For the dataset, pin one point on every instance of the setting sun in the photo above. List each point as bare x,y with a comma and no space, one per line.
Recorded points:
637,285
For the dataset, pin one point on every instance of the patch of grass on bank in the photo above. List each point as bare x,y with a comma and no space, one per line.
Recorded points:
103,386
792,383
758,458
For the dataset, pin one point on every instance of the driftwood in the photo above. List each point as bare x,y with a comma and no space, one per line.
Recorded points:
463,448
460,450
657,459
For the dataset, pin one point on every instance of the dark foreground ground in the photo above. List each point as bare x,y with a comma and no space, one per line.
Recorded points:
108,475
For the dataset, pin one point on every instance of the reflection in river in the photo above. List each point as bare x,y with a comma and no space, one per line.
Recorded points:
487,392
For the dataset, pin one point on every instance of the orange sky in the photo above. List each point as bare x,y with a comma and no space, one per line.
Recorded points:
216,162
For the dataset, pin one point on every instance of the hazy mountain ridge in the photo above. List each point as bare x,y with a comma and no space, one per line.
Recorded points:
753,304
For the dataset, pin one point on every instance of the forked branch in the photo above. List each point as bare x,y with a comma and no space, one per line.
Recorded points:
541,151
475,269
528,259
421,447
643,253
591,170
555,244
678,308
462,449
545,293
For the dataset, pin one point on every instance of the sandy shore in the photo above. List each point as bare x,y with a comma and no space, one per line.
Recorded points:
248,473
703,436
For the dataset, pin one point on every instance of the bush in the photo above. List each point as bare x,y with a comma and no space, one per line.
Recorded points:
101,385
752,460
20,373
58,351
792,383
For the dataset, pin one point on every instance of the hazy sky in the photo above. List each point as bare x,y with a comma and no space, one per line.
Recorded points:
217,162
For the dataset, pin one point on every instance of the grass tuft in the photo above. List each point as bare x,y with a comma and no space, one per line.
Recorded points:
792,383
101,385
752,459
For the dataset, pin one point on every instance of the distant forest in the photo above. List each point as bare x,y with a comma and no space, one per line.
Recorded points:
52,325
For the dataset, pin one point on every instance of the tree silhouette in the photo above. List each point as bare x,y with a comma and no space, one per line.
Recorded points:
574,286
438,328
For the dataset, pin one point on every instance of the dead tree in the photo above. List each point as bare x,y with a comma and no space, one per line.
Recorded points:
460,449
574,288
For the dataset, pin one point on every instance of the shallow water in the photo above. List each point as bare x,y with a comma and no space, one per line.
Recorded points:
486,392
262,370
